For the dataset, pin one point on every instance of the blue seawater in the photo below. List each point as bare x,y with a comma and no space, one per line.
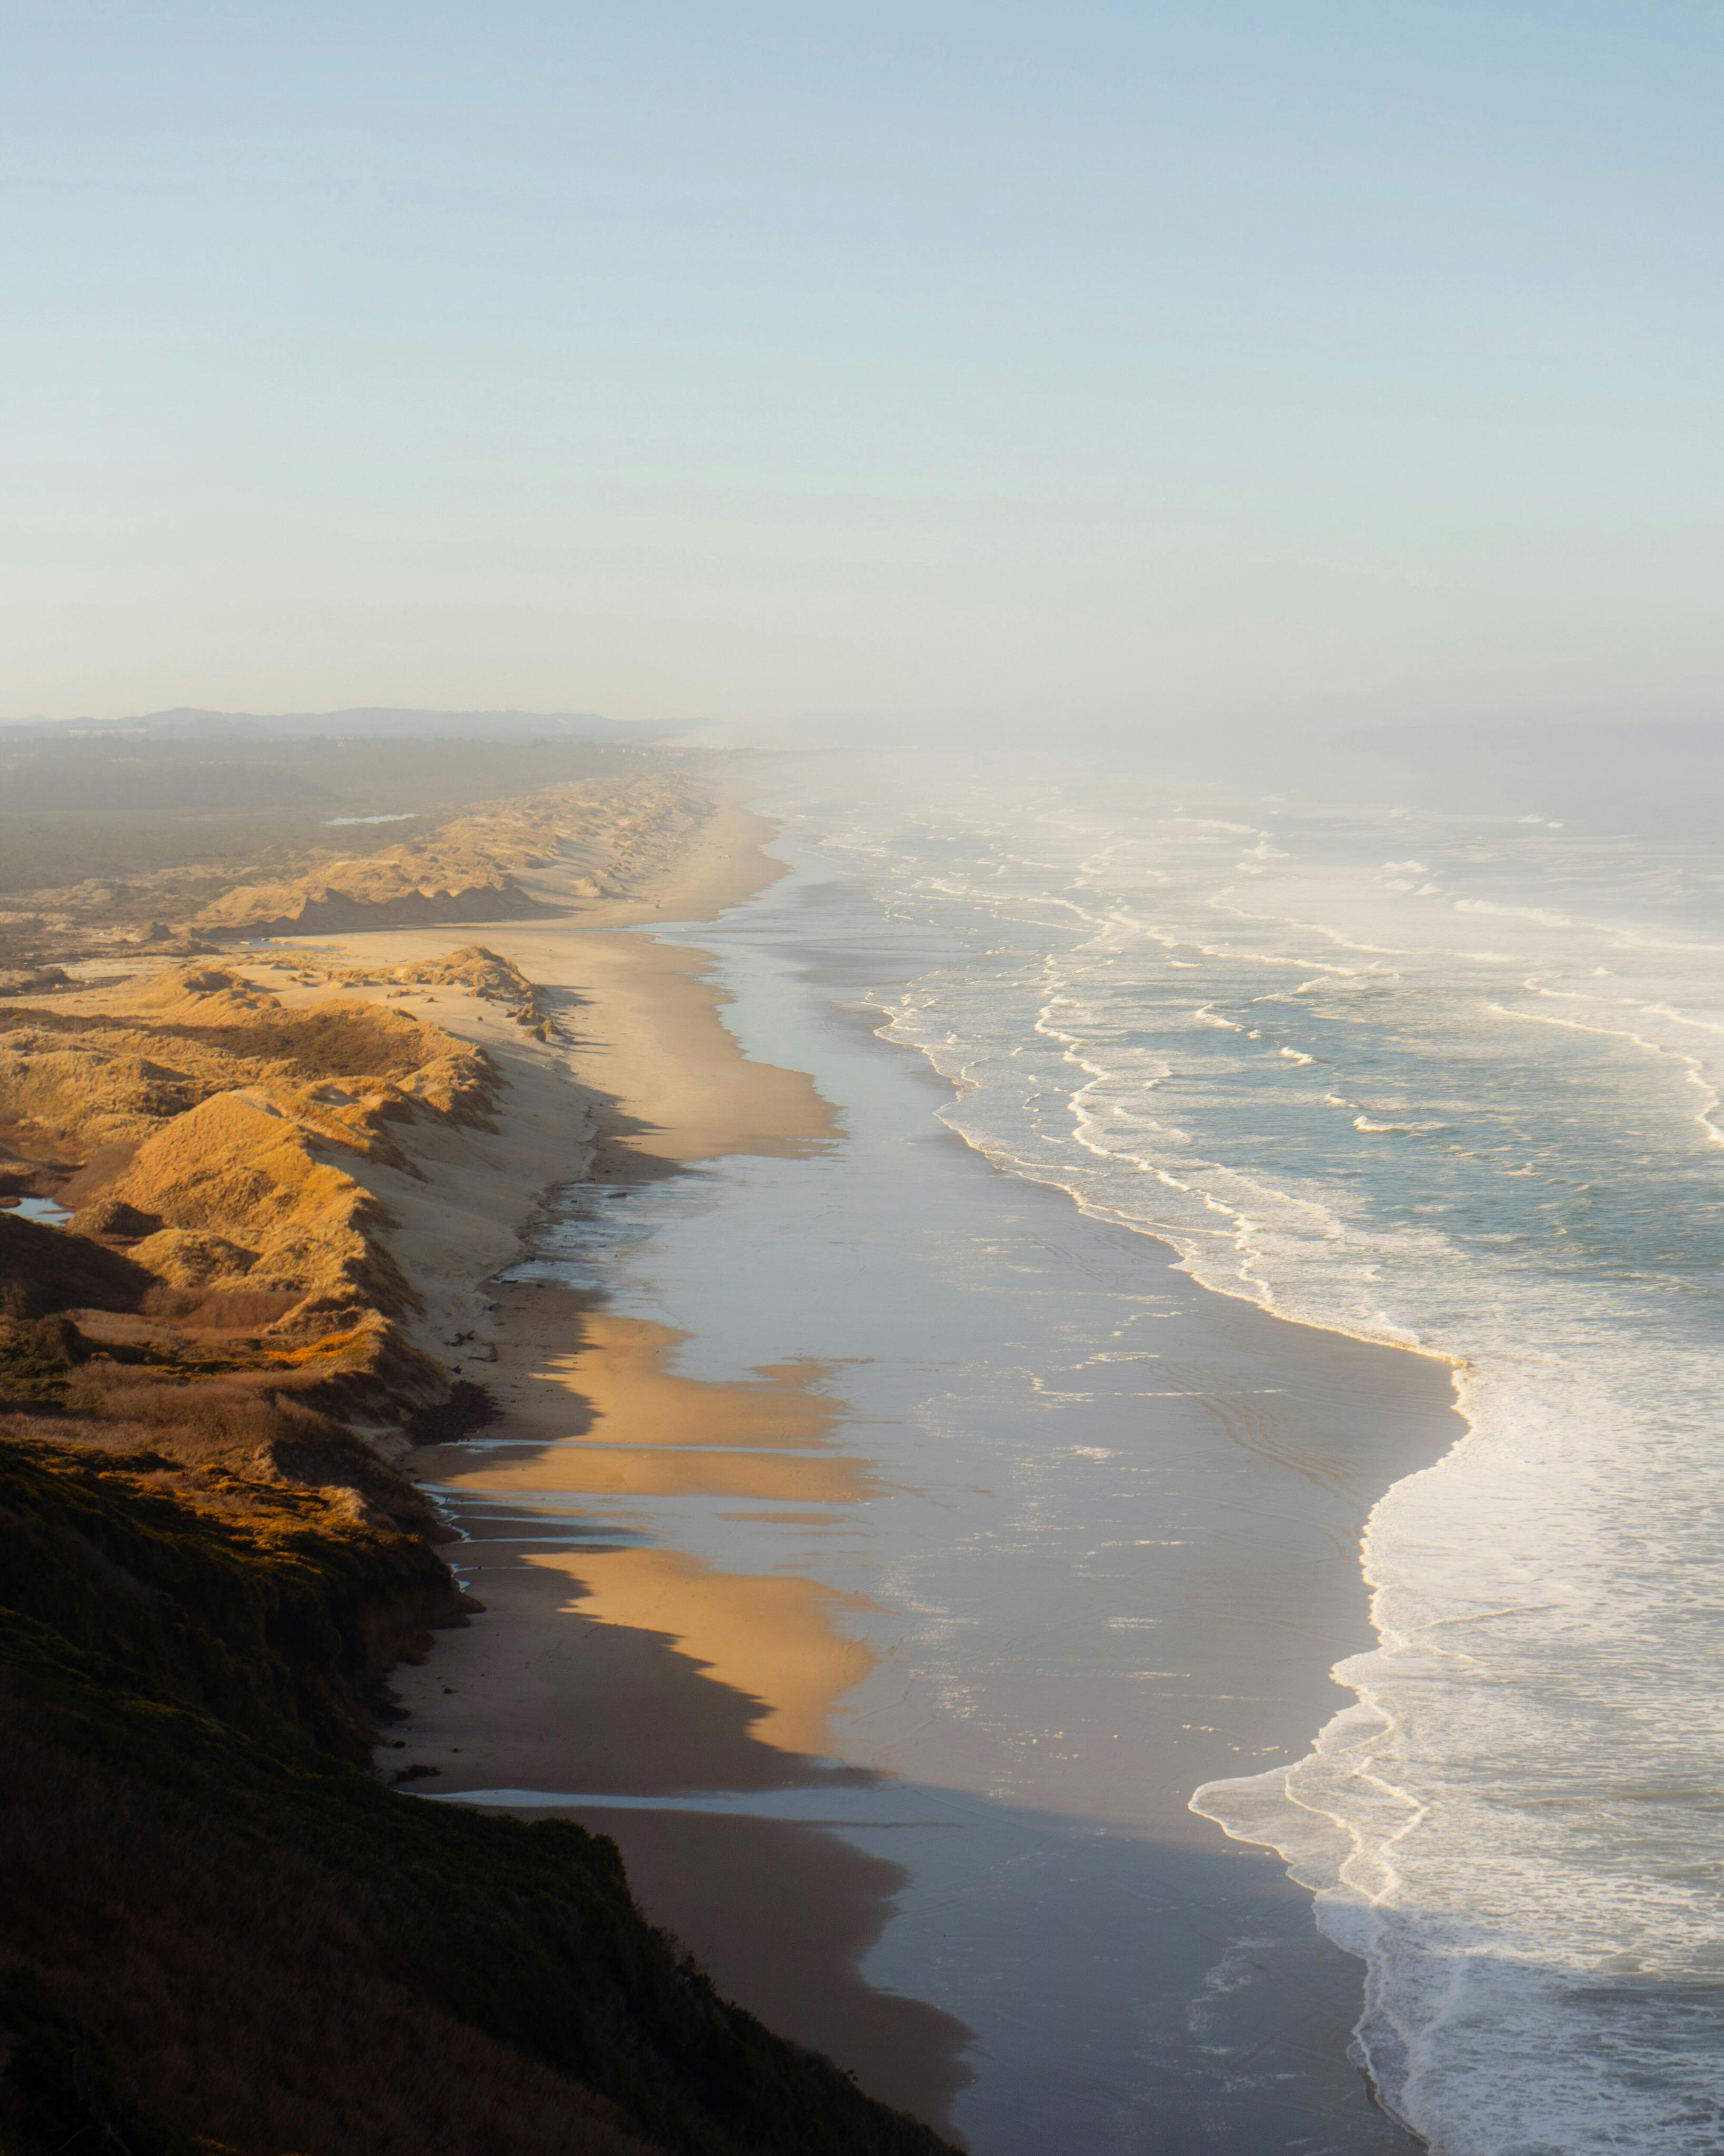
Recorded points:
1449,1081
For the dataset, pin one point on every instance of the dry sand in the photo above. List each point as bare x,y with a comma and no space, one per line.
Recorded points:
645,1078
638,1670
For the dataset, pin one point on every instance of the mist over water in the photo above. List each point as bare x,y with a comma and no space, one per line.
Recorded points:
1448,1079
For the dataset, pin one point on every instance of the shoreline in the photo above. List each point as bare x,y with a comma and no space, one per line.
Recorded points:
646,1084
250,1205
611,1666
630,1018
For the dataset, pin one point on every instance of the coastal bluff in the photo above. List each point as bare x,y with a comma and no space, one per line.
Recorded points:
224,1931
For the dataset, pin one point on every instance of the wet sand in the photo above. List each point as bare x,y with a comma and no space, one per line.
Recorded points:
645,1082
882,1552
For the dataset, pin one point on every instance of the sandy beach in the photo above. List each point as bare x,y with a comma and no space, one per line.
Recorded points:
639,1671
640,1055
699,1525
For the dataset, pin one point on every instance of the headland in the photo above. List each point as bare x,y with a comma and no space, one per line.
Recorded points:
254,1198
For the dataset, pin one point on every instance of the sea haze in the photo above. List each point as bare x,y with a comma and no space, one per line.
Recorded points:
1448,1080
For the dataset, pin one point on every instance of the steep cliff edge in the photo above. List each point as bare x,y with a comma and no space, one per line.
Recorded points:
219,1934
222,1932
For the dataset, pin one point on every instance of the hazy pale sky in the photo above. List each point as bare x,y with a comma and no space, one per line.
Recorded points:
982,363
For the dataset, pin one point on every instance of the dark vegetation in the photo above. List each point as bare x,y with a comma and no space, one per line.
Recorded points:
218,1924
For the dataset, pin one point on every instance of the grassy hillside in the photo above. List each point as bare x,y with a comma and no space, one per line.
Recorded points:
218,1932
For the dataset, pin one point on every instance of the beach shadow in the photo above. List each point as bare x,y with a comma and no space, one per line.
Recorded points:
782,1915
538,1696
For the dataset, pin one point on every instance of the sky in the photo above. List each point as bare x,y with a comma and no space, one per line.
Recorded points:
971,369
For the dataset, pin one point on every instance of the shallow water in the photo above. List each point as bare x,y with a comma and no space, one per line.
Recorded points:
1069,1536
1451,1080
47,1210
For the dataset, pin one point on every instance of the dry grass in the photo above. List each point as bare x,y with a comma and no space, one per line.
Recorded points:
219,1310
196,1107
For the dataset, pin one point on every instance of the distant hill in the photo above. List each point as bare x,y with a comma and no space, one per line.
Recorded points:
121,800
381,723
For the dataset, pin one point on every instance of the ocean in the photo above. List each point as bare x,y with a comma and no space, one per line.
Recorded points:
1448,1082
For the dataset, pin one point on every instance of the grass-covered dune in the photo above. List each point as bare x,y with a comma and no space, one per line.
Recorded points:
219,1931
97,865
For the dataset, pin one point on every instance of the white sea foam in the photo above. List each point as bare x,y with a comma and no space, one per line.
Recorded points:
1519,1826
